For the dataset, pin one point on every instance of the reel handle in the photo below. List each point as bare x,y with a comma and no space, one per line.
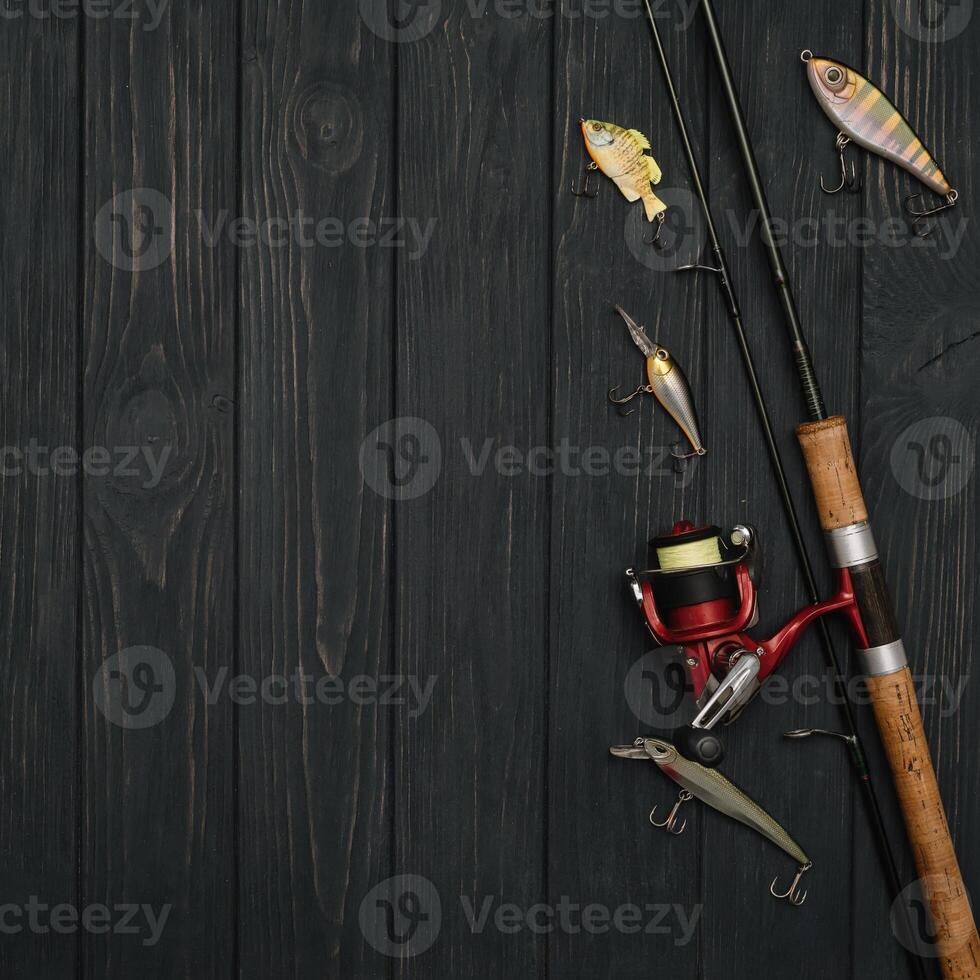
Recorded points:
699,745
840,502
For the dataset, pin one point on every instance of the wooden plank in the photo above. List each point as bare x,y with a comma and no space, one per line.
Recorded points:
474,143
316,122
39,670
919,364
601,849
158,376
807,787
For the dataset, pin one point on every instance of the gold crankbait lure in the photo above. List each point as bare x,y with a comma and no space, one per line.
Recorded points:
619,154
667,383
863,114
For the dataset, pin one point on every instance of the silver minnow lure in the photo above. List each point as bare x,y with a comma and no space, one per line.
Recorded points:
667,383
711,787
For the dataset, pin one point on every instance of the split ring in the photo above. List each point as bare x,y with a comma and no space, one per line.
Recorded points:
806,55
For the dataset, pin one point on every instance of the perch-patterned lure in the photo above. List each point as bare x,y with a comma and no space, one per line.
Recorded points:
863,113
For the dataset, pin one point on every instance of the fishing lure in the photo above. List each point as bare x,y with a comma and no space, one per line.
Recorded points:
667,383
619,154
862,114
712,788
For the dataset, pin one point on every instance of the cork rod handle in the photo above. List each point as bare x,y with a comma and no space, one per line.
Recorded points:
840,503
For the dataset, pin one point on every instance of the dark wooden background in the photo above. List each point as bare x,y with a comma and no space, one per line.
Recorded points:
264,550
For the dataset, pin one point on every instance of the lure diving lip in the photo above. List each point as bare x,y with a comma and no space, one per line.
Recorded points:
721,794
667,383
863,114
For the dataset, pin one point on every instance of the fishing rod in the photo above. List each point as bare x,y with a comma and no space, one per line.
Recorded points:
844,517
857,754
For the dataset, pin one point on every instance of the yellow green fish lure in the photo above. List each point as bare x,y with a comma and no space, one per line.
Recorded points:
619,154
862,113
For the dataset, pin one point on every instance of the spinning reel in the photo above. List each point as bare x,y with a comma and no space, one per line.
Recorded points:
702,595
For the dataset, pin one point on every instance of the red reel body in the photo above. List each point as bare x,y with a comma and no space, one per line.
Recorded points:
714,630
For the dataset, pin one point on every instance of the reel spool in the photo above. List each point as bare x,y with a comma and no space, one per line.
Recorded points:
694,580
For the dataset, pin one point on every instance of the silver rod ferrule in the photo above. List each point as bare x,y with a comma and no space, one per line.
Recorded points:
883,660
852,545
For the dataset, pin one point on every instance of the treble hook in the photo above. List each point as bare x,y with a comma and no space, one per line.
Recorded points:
655,241
671,822
853,184
679,456
917,216
584,192
793,895
642,390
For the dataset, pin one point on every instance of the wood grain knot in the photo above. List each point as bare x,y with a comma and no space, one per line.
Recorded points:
328,127
144,435
222,404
